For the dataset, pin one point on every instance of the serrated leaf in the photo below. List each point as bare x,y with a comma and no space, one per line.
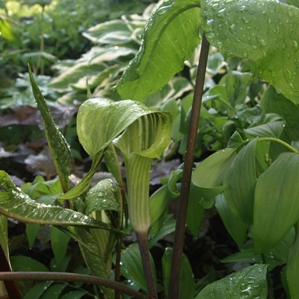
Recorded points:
58,145
240,183
277,193
209,175
248,283
170,37
249,29
187,285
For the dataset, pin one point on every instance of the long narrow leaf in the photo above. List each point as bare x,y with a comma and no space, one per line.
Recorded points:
59,147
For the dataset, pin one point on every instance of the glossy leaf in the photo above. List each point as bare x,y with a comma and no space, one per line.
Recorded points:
209,175
31,233
187,285
271,129
173,26
292,270
101,197
74,294
54,291
248,283
24,263
38,290
236,228
131,266
240,181
58,145
257,31
20,206
277,193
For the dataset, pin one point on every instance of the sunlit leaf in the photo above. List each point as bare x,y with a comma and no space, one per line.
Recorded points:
170,37
256,30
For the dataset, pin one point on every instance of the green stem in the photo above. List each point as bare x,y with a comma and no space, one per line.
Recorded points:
146,263
71,277
173,291
279,141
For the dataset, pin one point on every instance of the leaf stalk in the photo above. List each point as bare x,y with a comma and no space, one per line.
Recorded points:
173,291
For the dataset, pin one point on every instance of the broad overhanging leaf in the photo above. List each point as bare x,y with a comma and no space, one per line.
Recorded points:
59,147
258,31
18,205
170,37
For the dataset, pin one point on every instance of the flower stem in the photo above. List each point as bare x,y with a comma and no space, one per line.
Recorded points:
146,263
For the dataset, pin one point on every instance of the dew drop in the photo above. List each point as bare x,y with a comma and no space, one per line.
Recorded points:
245,54
232,28
229,53
289,75
261,41
273,74
221,13
295,45
162,10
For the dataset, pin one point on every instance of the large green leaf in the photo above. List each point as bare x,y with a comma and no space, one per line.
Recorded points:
276,205
170,37
58,145
258,31
236,228
187,285
249,283
240,183
209,175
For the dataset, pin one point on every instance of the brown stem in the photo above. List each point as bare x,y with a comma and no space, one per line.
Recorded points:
146,263
71,277
173,290
11,286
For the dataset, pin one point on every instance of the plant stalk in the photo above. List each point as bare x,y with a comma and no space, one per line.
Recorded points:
11,286
173,288
146,263
71,277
